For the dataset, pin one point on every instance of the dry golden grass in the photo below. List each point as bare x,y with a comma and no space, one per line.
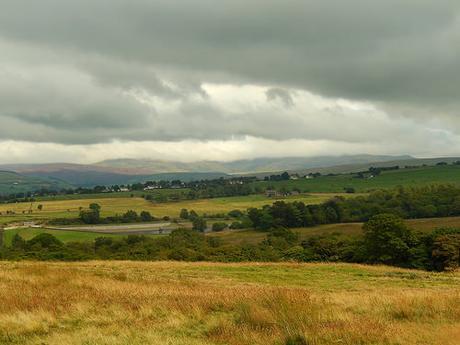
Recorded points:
236,304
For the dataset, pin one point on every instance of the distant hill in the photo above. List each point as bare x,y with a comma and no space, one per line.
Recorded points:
93,178
13,183
411,177
350,168
241,166
128,171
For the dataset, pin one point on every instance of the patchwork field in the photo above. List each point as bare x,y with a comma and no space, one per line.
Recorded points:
101,303
112,206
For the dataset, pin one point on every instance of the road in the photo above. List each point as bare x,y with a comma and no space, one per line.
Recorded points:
126,229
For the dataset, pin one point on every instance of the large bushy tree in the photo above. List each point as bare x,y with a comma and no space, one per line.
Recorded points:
387,240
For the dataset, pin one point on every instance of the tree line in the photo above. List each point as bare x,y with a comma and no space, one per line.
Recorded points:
385,240
408,203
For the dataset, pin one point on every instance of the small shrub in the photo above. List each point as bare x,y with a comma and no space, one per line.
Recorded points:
235,214
219,226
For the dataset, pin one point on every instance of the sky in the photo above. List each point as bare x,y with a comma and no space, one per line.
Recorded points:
88,80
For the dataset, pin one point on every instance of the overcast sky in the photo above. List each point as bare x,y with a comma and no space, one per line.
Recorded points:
87,80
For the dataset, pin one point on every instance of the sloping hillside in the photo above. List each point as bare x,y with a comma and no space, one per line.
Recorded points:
146,166
13,183
411,177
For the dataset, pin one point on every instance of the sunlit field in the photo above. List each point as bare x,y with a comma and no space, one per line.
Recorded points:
112,206
417,177
205,303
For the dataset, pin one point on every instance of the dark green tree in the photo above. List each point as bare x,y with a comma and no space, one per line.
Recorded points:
199,224
387,240
184,213
146,216
130,216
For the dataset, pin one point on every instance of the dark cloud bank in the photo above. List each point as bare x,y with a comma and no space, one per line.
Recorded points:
78,72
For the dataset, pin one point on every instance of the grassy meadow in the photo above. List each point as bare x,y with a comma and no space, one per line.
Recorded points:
140,194
118,205
414,177
62,235
102,303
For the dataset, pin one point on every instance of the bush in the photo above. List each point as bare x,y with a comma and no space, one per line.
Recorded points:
192,215
219,226
349,190
446,252
44,240
146,216
236,225
199,224
235,214
90,216
184,214
130,217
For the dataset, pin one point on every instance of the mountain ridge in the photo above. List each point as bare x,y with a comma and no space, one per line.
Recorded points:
129,171
263,164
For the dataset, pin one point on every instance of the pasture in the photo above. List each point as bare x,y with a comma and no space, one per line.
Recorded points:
111,206
62,235
134,193
413,177
101,303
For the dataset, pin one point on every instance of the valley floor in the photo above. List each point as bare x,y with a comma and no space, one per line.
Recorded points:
208,303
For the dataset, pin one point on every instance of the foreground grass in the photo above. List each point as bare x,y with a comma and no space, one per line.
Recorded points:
119,205
206,303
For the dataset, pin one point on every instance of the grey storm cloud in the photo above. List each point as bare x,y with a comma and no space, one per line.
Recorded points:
81,71
280,93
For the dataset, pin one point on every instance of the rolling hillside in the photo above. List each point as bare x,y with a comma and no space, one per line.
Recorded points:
149,167
244,166
12,183
128,171
423,176
93,178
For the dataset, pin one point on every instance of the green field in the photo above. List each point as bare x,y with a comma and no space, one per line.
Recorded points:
139,194
64,236
12,183
111,206
388,179
137,303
